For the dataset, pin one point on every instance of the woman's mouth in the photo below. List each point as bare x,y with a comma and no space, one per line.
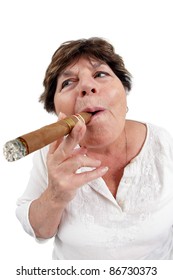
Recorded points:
95,111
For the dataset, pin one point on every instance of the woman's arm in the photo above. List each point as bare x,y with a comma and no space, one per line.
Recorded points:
45,215
63,161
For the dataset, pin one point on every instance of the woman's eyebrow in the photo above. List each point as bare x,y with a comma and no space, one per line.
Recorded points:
97,64
68,73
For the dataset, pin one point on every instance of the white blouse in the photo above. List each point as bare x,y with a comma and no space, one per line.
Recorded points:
138,224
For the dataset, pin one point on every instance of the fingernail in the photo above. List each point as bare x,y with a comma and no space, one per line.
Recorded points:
97,162
104,169
61,116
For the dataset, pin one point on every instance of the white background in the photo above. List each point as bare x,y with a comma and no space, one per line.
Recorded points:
31,31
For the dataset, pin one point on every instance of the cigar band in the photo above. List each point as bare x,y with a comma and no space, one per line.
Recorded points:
70,122
79,117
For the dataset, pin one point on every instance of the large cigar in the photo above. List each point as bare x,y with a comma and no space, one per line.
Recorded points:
35,140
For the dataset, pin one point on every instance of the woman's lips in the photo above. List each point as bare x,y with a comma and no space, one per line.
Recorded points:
93,110
96,111
96,115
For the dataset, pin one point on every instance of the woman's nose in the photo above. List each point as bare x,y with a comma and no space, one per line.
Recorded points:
87,86
88,91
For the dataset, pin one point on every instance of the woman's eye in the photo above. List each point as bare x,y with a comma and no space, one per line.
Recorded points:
66,83
100,74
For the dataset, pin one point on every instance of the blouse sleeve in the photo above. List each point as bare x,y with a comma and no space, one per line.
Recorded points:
36,186
166,163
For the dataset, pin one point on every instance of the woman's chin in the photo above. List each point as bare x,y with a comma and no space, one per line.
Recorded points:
99,137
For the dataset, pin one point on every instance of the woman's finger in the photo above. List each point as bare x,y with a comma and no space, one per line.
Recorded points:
71,165
67,146
54,145
88,176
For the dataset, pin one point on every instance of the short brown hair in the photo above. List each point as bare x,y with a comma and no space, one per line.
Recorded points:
70,51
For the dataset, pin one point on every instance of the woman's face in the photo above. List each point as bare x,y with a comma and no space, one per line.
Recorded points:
90,85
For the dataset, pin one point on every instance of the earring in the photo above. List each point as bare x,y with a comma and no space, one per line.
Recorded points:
127,109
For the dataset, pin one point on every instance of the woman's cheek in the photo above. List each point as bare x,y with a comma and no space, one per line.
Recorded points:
63,104
57,104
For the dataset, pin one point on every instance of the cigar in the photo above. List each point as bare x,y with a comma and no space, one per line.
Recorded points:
35,140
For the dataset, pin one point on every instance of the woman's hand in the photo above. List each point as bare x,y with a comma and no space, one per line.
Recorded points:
64,160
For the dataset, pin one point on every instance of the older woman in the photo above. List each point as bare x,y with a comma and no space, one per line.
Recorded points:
106,190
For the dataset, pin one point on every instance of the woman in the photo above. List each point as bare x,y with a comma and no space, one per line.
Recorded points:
106,190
